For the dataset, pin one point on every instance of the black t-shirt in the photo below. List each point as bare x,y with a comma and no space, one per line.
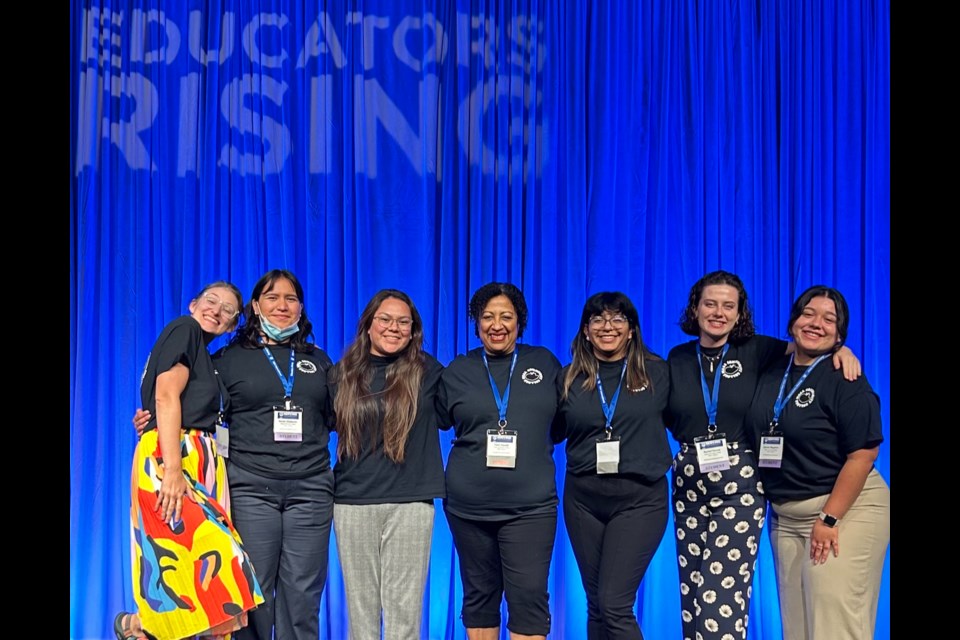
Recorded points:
255,389
182,342
687,415
826,419
638,420
373,478
466,401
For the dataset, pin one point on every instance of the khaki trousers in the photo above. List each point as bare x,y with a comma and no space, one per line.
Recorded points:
836,600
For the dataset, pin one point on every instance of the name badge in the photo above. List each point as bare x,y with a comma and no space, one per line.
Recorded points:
222,439
771,450
608,455
712,452
287,424
502,448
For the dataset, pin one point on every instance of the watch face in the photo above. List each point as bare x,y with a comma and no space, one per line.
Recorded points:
828,520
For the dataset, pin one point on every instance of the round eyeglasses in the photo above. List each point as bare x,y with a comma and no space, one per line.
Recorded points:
617,321
226,309
403,324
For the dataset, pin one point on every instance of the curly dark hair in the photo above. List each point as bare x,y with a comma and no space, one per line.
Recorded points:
817,291
742,330
489,291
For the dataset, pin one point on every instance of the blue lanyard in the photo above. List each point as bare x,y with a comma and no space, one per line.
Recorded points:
501,402
609,409
711,400
781,399
287,383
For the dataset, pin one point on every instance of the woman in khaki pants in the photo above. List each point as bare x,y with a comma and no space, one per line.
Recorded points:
819,436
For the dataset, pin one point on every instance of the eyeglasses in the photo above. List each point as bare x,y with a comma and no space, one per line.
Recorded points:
617,321
227,310
403,324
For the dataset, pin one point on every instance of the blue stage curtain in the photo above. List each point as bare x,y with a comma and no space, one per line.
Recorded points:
568,146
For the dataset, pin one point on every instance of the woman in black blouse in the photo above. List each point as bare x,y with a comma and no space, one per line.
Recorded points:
281,484
718,502
389,468
615,501
180,512
818,437
501,502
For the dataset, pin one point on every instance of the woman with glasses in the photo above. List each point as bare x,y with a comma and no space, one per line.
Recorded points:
389,468
615,498
718,501
501,504
182,536
281,484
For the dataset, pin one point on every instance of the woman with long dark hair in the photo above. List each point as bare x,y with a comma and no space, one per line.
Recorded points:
615,498
389,468
278,467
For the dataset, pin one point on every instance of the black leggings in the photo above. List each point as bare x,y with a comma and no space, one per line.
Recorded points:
615,523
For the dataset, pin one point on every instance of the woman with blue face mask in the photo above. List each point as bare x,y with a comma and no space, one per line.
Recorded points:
278,469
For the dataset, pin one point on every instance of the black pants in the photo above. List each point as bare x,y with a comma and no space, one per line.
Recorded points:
285,527
615,525
506,558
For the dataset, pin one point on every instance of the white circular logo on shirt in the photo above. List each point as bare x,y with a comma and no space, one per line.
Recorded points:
732,369
532,376
306,366
805,398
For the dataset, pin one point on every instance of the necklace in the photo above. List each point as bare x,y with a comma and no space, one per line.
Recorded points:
711,359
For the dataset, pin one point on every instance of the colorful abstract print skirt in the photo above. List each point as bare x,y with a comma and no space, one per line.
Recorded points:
191,576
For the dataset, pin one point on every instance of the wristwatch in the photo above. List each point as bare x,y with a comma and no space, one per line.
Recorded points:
829,520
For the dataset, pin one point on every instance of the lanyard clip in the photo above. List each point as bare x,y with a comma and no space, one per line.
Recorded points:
503,425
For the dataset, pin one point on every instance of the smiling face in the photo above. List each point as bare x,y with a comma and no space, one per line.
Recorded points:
390,328
609,334
717,314
815,331
216,310
498,326
280,305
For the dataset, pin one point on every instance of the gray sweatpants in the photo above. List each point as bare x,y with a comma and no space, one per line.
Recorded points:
384,552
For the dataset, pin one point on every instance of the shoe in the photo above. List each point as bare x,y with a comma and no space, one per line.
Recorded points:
123,632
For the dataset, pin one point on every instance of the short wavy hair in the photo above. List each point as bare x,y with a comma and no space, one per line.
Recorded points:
489,291
742,330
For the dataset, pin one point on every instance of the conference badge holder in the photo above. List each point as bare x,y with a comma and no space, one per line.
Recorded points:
502,447
771,449
222,437
712,451
608,453
288,423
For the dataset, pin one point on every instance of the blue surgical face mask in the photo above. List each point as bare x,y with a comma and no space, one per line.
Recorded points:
275,333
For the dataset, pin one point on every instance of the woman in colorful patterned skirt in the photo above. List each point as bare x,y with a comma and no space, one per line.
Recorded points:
190,573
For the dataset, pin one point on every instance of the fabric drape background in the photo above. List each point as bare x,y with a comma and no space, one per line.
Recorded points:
567,146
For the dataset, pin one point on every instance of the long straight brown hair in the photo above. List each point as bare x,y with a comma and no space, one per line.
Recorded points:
357,408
